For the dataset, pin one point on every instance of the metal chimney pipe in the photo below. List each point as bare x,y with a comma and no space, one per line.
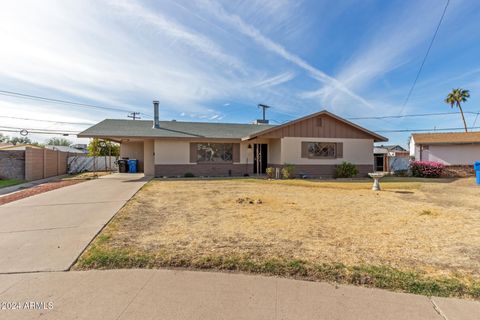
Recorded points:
156,121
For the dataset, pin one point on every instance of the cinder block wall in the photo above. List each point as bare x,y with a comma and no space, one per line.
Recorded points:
34,164
44,163
12,164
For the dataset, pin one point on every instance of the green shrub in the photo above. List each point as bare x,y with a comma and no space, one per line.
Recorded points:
346,170
288,171
270,171
189,175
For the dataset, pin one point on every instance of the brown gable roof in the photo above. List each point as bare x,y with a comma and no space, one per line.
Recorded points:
446,137
306,127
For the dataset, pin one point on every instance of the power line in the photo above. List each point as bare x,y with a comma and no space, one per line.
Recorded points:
426,130
34,97
410,115
44,120
396,116
426,55
39,132
6,128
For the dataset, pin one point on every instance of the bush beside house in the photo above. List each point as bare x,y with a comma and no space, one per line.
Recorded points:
426,169
288,171
270,171
346,170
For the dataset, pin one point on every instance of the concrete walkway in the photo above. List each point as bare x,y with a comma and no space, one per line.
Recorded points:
166,294
48,231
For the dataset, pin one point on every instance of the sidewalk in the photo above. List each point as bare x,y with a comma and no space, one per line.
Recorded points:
167,294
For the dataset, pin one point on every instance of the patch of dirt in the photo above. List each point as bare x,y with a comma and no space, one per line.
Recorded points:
247,200
44,187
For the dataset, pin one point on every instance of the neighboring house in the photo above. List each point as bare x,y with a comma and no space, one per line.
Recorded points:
449,148
68,149
315,144
19,147
5,144
391,158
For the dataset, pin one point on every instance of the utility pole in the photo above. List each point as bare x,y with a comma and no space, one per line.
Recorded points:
263,106
134,115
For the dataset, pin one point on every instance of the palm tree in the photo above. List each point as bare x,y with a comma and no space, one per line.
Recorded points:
455,98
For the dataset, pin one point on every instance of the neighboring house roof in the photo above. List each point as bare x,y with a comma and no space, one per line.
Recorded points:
20,147
65,149
393,147
446,137
112,128
5,144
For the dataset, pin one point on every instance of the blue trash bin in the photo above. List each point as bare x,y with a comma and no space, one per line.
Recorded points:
476,167
132,165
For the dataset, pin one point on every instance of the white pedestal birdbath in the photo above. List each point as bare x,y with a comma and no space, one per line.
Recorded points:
376,176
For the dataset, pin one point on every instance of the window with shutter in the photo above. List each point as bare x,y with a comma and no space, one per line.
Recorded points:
319,150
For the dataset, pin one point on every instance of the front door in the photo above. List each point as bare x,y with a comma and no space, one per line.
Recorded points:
260,158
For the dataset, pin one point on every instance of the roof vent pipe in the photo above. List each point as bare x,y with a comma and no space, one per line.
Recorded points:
156,121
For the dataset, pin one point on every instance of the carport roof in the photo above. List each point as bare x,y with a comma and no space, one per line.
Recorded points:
115,128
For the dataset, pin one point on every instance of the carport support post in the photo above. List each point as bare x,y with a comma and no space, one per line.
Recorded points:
110,156
95,146
106,168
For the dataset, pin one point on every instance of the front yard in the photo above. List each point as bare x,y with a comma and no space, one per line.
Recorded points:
420,236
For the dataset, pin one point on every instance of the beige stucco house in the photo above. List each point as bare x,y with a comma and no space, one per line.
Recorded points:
449,148
315,144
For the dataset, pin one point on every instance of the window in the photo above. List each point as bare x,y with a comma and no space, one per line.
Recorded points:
214,152
321,149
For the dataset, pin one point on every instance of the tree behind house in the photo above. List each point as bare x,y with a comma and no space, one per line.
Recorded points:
100,148
20,140
59,142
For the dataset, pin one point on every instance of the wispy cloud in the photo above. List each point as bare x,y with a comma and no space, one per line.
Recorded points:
177,32
388,47
276,80
240,25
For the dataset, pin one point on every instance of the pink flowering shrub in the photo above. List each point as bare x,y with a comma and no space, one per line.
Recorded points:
426,169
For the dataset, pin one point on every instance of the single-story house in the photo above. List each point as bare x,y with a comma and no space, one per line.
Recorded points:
449,148
391,158
314,144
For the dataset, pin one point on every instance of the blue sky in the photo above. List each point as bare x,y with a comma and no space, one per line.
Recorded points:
216,60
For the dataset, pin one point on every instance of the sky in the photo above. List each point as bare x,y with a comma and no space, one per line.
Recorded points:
217,60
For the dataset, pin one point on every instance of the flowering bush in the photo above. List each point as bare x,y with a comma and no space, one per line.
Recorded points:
426,169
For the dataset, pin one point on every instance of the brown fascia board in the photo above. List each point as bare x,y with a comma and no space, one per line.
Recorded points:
378,138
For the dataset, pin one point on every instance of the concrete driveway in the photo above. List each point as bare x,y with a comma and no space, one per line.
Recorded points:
48,231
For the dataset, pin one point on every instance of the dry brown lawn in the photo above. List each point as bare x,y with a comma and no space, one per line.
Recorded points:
432,226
